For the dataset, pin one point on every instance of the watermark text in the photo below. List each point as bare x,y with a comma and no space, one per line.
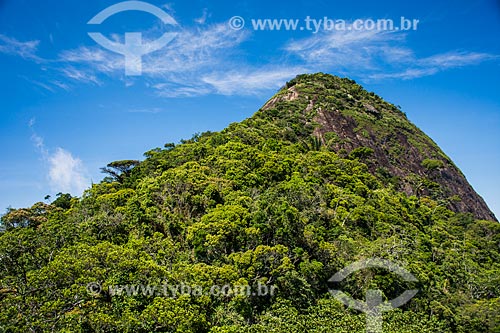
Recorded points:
325,23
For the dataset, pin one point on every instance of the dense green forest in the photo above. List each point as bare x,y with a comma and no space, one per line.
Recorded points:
278,200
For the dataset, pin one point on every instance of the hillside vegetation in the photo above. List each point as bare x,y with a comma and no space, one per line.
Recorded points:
286,199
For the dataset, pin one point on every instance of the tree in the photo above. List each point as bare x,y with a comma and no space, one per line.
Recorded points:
120,170
63,200
25,217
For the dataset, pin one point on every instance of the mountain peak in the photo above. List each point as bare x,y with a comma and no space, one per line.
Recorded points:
351,121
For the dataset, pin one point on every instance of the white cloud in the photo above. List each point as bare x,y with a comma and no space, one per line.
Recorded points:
350,49
26,50
205,59
250,82
92,59
415,68
407,74
61,85
150,110
376,55
67,173
176,88
37,140
80,75
195,50
169,7
203,18
172,71
39,144
49,85
455,59
201,61
42,85
191,50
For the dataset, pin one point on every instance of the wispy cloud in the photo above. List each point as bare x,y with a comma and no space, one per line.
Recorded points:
96,58
195,50
456,59
357,48
37,140
206,59
250,82
26,50
376,55
191,50
174,70
66,173
203,18
416,68
50,85
175,87
406,74
150,110
80,75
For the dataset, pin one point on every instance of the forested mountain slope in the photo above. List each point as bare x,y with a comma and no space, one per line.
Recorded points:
324,174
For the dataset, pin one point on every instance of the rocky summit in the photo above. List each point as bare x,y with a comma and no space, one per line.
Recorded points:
350,120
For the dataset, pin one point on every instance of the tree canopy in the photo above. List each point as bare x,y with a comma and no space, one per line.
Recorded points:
260,203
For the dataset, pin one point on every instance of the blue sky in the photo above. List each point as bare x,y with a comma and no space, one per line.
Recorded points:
67,107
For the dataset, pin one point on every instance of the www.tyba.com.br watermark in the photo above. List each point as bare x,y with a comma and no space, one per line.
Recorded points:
177,290
325,23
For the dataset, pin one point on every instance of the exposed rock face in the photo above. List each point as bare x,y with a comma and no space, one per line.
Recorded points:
409,162
348,118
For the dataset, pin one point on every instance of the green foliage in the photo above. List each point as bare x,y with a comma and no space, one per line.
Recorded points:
120,170
264,202
361,152
432,164
63,200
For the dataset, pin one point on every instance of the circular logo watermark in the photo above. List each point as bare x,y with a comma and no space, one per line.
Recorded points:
374,306
133,49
